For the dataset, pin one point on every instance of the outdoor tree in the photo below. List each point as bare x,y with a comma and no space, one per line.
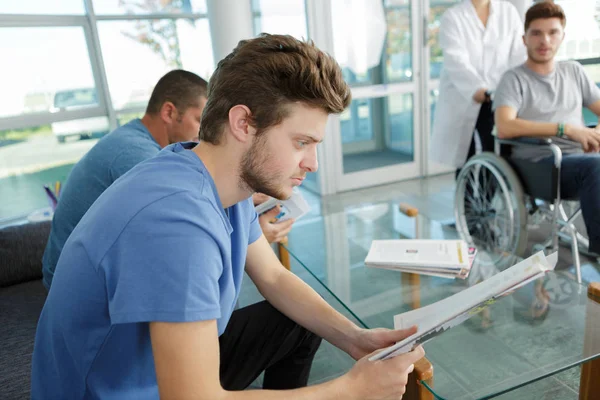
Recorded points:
160,35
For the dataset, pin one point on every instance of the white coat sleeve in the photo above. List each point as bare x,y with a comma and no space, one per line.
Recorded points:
457,64
518,51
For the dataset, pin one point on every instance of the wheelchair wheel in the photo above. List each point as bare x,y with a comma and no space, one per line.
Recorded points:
489,207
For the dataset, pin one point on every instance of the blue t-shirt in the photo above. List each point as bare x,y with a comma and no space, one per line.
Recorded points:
111,157
156,246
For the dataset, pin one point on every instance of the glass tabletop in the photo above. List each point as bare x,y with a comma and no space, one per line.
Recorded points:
535,332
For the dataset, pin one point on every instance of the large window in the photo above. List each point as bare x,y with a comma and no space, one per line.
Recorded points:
280,17
137,53
72,73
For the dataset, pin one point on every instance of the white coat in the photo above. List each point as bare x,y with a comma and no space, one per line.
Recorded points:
475,57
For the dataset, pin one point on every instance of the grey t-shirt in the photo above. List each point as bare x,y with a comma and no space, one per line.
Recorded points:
558,97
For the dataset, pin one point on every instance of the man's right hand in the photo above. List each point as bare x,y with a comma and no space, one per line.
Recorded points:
384,379
588,137
274,232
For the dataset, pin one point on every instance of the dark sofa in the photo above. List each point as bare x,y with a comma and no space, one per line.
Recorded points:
22,296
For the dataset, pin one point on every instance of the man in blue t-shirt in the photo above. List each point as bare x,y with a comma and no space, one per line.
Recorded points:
142,301
172,115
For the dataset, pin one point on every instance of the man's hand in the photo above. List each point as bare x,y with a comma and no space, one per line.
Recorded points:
274,232
368,340
383,379
588,137
479,96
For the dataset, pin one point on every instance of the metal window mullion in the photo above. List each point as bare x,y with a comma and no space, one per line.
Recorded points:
97,63
138,17
382,90
23,121
20,20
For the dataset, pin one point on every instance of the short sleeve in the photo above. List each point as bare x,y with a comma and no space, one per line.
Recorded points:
129,158
508,93
255,229
166,264
589,90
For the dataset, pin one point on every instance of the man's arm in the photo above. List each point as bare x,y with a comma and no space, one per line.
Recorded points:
510,127
187,363
294,298
595,108
186,359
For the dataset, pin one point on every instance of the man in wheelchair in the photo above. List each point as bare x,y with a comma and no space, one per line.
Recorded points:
543,99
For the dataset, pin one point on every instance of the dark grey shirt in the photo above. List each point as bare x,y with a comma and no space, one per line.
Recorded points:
558,97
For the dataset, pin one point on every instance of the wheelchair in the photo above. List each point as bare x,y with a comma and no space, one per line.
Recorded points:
498,197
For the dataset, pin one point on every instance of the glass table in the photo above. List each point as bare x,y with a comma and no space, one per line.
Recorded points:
544,328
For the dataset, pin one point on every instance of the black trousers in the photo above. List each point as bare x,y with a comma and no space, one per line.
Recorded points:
259,338
484,125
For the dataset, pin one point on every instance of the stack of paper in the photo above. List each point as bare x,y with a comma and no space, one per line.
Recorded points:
443,258
436,318
294,207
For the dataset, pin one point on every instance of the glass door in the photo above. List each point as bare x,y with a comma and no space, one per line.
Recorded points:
432,65
376,140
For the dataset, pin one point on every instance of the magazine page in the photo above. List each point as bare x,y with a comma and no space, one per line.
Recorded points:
452,254
435,317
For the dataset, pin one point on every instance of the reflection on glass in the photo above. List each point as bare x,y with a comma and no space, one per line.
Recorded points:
148,6
33,74
33,157
150,53
277,17
436,10
377,132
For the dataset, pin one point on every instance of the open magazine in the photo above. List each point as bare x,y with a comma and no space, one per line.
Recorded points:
442,258
438,317
294,207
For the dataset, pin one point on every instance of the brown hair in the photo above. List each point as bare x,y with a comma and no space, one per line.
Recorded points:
267,74
180,87
544,10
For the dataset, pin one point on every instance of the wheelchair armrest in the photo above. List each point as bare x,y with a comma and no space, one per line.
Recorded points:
527,141
534,142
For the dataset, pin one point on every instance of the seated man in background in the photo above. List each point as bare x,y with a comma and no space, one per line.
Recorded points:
545,98
142,303
172,115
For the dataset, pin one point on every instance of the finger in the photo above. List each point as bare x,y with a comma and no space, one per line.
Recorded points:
410,369
412,356
284,229
400,334
273,212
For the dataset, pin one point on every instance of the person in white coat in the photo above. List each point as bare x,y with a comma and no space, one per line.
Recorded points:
480,40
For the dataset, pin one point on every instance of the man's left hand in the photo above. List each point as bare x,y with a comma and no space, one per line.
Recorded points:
369,340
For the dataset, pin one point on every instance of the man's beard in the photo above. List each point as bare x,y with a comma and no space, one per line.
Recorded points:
532,56
253,174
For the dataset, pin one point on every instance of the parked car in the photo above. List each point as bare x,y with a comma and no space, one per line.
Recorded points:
73,99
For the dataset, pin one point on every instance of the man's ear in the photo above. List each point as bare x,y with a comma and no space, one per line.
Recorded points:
239,123
168,112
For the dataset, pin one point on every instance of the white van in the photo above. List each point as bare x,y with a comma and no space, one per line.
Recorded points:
73,99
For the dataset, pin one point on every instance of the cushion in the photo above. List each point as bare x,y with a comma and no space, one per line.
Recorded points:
21,250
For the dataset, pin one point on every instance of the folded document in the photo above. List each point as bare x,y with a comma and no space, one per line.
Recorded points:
443,258
294,207
434,319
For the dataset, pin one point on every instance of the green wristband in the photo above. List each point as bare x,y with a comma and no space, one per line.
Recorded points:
561,130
